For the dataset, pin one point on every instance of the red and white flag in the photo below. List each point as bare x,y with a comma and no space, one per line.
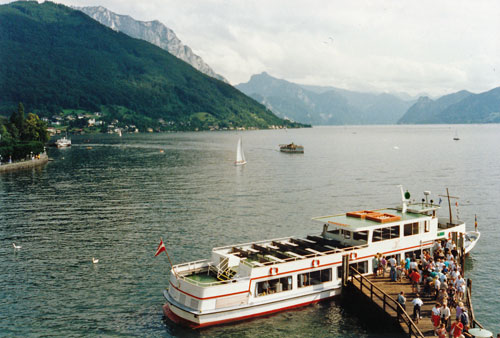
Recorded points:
161,248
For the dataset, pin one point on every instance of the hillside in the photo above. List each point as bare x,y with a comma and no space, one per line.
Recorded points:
460,107
151,31
323,105
55,58
426,110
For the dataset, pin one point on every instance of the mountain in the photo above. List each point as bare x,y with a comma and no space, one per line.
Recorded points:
323,105
426,110
55,58
475,108
460,107
152,31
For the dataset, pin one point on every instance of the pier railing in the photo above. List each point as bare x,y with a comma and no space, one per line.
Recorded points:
468,303
388,302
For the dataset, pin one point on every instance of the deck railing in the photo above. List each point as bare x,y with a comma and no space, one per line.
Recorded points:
387,301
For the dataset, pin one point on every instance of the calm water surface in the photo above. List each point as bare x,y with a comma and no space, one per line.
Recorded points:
113,198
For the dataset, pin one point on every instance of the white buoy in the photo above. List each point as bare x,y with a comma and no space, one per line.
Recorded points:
17,247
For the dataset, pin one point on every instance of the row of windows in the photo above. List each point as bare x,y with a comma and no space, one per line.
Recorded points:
409,229
285,283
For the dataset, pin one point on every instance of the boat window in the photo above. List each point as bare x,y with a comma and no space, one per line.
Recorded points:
415,254
383,234
427,226
347,234
362,267
314,277
274,286
411,229
334,231
361,236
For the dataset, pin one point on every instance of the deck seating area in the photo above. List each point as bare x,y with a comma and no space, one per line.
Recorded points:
288,250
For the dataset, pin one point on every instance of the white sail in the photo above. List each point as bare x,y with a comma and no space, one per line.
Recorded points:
240,156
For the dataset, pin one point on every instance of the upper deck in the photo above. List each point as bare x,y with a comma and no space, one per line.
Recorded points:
367,219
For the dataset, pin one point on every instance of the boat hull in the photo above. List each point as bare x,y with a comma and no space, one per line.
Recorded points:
193,320
470,244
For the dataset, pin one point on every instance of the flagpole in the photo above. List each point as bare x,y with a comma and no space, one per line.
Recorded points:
169,260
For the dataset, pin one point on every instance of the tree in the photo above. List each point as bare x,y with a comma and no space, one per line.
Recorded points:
17,118
35,129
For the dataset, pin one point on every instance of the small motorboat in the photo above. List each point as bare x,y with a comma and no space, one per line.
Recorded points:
471,238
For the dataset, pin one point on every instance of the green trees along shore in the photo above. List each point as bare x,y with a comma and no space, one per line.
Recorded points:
20,136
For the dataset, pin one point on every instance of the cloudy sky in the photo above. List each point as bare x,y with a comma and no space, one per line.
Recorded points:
433,47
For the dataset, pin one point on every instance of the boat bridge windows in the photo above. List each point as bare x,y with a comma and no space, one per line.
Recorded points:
362,267
411,229
386,233
314,277
271,286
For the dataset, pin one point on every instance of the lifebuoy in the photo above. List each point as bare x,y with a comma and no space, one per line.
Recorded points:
315,263
449,235
353,255
273,271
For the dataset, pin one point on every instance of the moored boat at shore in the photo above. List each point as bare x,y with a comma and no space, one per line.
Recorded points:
258,278
63,142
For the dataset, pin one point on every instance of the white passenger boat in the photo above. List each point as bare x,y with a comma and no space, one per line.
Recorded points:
63,142
253,279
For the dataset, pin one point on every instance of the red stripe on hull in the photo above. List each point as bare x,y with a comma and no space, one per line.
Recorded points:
179,320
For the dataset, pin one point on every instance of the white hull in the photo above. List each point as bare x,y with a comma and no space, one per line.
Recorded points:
471,239
237,313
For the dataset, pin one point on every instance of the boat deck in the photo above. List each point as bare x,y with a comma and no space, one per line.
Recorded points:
285,250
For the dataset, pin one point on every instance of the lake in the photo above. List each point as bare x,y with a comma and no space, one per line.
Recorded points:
114,198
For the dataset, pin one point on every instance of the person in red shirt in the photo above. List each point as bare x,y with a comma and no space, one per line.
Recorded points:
456,329
441,331
415,279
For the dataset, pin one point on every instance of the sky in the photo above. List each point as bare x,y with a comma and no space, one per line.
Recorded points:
431,47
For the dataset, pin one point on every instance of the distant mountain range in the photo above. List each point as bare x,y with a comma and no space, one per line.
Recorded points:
152,31
56,58
324,105
460,107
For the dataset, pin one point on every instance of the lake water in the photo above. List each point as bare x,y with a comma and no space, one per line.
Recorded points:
113,198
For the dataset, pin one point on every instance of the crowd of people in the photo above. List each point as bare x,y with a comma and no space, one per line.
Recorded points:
437,275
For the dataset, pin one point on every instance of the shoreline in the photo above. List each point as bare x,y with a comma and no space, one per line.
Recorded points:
5,167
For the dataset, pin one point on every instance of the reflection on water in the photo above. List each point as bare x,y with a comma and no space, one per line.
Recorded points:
114,200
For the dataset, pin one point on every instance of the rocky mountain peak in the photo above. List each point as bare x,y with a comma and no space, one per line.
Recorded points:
152,31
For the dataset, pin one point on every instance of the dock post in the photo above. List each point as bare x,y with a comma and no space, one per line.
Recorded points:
462,253
345,270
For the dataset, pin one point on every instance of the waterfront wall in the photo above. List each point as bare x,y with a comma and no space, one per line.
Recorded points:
24,164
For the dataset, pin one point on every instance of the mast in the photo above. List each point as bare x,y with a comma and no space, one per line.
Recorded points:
449,203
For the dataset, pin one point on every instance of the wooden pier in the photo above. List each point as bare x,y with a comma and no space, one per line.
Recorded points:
382,292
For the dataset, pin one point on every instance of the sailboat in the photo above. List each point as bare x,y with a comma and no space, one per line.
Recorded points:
456,138
240,156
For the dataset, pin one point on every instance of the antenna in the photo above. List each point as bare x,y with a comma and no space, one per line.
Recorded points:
427,193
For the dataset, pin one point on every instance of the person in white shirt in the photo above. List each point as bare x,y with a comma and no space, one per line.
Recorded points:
445,313
417,304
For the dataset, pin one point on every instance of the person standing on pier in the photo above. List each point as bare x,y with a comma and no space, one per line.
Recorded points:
445,314
393,263
383,265
415,279
417,305
402,299
375,263
456,329
436,316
